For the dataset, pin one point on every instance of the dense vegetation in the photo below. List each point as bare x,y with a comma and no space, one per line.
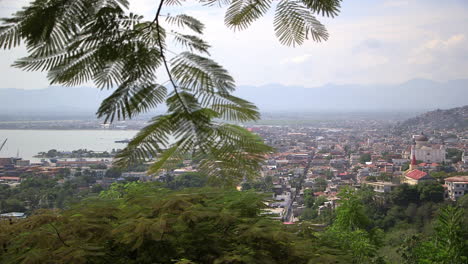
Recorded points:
82,41
145,223
189,223
35,192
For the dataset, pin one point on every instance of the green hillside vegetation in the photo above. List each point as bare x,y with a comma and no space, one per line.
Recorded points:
145,223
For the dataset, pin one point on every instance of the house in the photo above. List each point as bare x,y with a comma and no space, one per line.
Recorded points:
415,177
10,179
456,186
381,187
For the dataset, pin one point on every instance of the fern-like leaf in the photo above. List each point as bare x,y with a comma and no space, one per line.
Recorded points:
183,20
329,8
193,43
131,99
294,23
241,13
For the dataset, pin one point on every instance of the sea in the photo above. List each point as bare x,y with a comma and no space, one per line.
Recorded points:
28,143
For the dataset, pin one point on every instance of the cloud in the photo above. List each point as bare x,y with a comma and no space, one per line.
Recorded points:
371,41
438,50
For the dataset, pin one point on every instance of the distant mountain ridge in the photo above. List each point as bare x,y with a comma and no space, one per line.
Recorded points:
455,118
60,100
418,94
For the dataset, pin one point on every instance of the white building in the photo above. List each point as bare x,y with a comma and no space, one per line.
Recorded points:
382,187
426,152
456,186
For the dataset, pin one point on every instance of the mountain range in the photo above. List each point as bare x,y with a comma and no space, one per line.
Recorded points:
417,94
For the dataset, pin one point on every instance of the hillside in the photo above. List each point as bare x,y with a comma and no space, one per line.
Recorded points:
439,119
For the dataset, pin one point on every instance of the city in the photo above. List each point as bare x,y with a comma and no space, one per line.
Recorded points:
234,132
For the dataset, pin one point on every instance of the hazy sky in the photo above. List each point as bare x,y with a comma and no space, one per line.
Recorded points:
371,41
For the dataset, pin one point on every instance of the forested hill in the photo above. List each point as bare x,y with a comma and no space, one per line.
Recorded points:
439,119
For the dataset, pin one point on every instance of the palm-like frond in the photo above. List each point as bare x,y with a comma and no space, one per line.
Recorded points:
233,147
200,74
329,8
241,13
10,34
183,20
219,3
100,41
294,23
131,99
193,43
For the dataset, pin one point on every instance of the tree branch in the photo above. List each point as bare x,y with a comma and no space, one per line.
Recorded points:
161,49
58,235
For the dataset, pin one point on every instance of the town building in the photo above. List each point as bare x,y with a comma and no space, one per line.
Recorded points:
426,152
456,186
381,187
413,176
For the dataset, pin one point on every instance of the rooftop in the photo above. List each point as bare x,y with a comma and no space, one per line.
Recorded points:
416,174
457,179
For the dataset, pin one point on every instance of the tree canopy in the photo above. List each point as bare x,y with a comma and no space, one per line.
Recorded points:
144,223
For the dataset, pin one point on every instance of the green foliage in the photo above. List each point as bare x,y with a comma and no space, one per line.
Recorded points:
103,42
294,21
319,201
309,198
309,214
320,184
187,180
431,192
264,184
149,224
441,175
113,173
365,158
454,154
350,214
36,192
409,249
451,236
404,194
351,228
448,245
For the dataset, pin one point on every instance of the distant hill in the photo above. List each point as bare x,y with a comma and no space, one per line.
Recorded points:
415,95
439,119
418,94
51,101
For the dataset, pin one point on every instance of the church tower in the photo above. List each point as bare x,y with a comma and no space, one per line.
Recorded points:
413,164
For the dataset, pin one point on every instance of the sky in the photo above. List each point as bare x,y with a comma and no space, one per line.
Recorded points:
371,42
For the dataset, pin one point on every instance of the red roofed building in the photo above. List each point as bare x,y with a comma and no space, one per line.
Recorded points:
10,179
456,186
414,177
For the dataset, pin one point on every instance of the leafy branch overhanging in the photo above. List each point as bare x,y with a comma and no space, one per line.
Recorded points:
82,41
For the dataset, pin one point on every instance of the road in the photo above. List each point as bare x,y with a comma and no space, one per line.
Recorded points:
289,216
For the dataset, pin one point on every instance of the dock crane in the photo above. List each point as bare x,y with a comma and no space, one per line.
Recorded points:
4,142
